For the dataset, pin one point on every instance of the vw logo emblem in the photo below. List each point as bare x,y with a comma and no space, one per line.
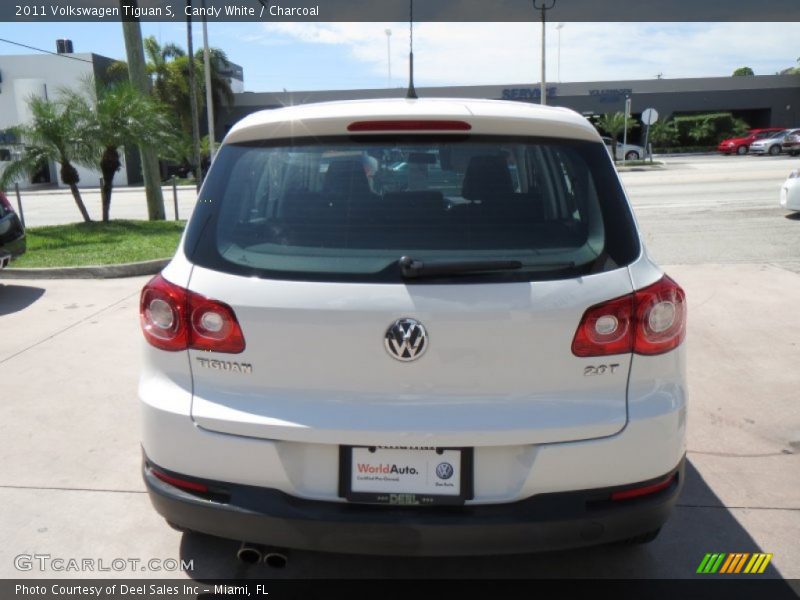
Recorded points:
444,470
406,339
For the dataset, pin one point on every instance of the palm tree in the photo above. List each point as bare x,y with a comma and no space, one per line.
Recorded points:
168,67
117,115
55,134
664,133
613,124
701,130
158,59
221,92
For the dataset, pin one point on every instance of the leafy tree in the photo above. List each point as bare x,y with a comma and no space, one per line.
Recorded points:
158,67
613,125
701,130
113,116
664,133
55,134
179,150
791,70
168,67
738,129
743,72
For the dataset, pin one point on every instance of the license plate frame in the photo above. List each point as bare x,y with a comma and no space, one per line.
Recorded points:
406,498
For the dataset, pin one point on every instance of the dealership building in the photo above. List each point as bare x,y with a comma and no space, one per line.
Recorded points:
761,100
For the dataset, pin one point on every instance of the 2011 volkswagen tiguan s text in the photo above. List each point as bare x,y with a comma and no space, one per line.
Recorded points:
414,327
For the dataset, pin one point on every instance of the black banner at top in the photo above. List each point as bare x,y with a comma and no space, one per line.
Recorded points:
32,11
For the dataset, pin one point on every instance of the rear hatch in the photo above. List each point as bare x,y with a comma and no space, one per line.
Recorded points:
496,246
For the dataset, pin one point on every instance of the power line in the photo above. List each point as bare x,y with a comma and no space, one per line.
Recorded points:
46,51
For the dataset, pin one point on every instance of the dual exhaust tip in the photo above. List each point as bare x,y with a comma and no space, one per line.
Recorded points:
253,554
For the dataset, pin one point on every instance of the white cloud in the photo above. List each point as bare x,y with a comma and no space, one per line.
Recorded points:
495,53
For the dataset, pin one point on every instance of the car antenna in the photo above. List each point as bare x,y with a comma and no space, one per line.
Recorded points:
411,93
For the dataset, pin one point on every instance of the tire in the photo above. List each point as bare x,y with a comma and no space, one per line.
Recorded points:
632,155
642,538
742,150
793,152
774,150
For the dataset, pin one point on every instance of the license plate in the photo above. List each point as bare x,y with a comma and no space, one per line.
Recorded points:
405,476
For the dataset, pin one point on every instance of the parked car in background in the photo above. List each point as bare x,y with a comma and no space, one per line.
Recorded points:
628,151
478,363
790,192
741,145
791,143
12,233
772,144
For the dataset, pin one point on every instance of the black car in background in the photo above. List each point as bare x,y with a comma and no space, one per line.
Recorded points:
12,233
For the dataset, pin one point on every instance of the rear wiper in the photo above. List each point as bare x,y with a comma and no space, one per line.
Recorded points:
411,268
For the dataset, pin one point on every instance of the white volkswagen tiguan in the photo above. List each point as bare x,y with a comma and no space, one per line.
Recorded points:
471,354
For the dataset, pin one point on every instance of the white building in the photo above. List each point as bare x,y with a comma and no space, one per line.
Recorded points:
43,75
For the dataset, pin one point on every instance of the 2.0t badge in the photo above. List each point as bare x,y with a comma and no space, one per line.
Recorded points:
406,339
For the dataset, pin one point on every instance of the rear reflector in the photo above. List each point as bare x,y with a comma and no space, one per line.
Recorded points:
191,486
409,125
646,490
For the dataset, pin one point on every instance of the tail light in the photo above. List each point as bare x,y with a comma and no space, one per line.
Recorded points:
173,318
5,205
409,125
650,321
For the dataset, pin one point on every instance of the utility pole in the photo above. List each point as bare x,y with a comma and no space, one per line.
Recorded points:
151,173
543,6
209,102
389,56
559,27
193,97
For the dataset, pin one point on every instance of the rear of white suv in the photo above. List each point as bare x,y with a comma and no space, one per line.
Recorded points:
472,354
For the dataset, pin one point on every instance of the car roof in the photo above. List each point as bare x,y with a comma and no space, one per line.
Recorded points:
486,117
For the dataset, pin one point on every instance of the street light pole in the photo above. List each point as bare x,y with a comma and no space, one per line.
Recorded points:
209,103
543,6
193,97
388,33
559,27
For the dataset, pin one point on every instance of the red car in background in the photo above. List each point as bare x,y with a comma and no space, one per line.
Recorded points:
742,144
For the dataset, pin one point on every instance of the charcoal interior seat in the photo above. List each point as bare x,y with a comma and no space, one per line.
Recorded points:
486,178
346,178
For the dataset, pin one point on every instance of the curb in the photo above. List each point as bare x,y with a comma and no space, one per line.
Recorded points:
136,269
626,169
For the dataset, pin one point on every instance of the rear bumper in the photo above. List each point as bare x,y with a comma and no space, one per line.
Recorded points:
543,522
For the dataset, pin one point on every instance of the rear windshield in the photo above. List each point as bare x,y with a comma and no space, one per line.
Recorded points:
347,209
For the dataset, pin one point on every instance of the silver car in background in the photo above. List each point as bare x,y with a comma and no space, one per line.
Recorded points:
626,151
771,145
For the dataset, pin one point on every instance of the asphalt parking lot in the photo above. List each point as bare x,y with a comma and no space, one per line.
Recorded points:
69,360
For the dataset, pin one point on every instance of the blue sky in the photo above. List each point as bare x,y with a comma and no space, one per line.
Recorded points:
314,56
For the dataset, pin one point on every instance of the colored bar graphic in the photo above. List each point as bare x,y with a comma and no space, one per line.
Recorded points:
703,563
717,564
733,563
741,562
749,567
765,563
732,558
